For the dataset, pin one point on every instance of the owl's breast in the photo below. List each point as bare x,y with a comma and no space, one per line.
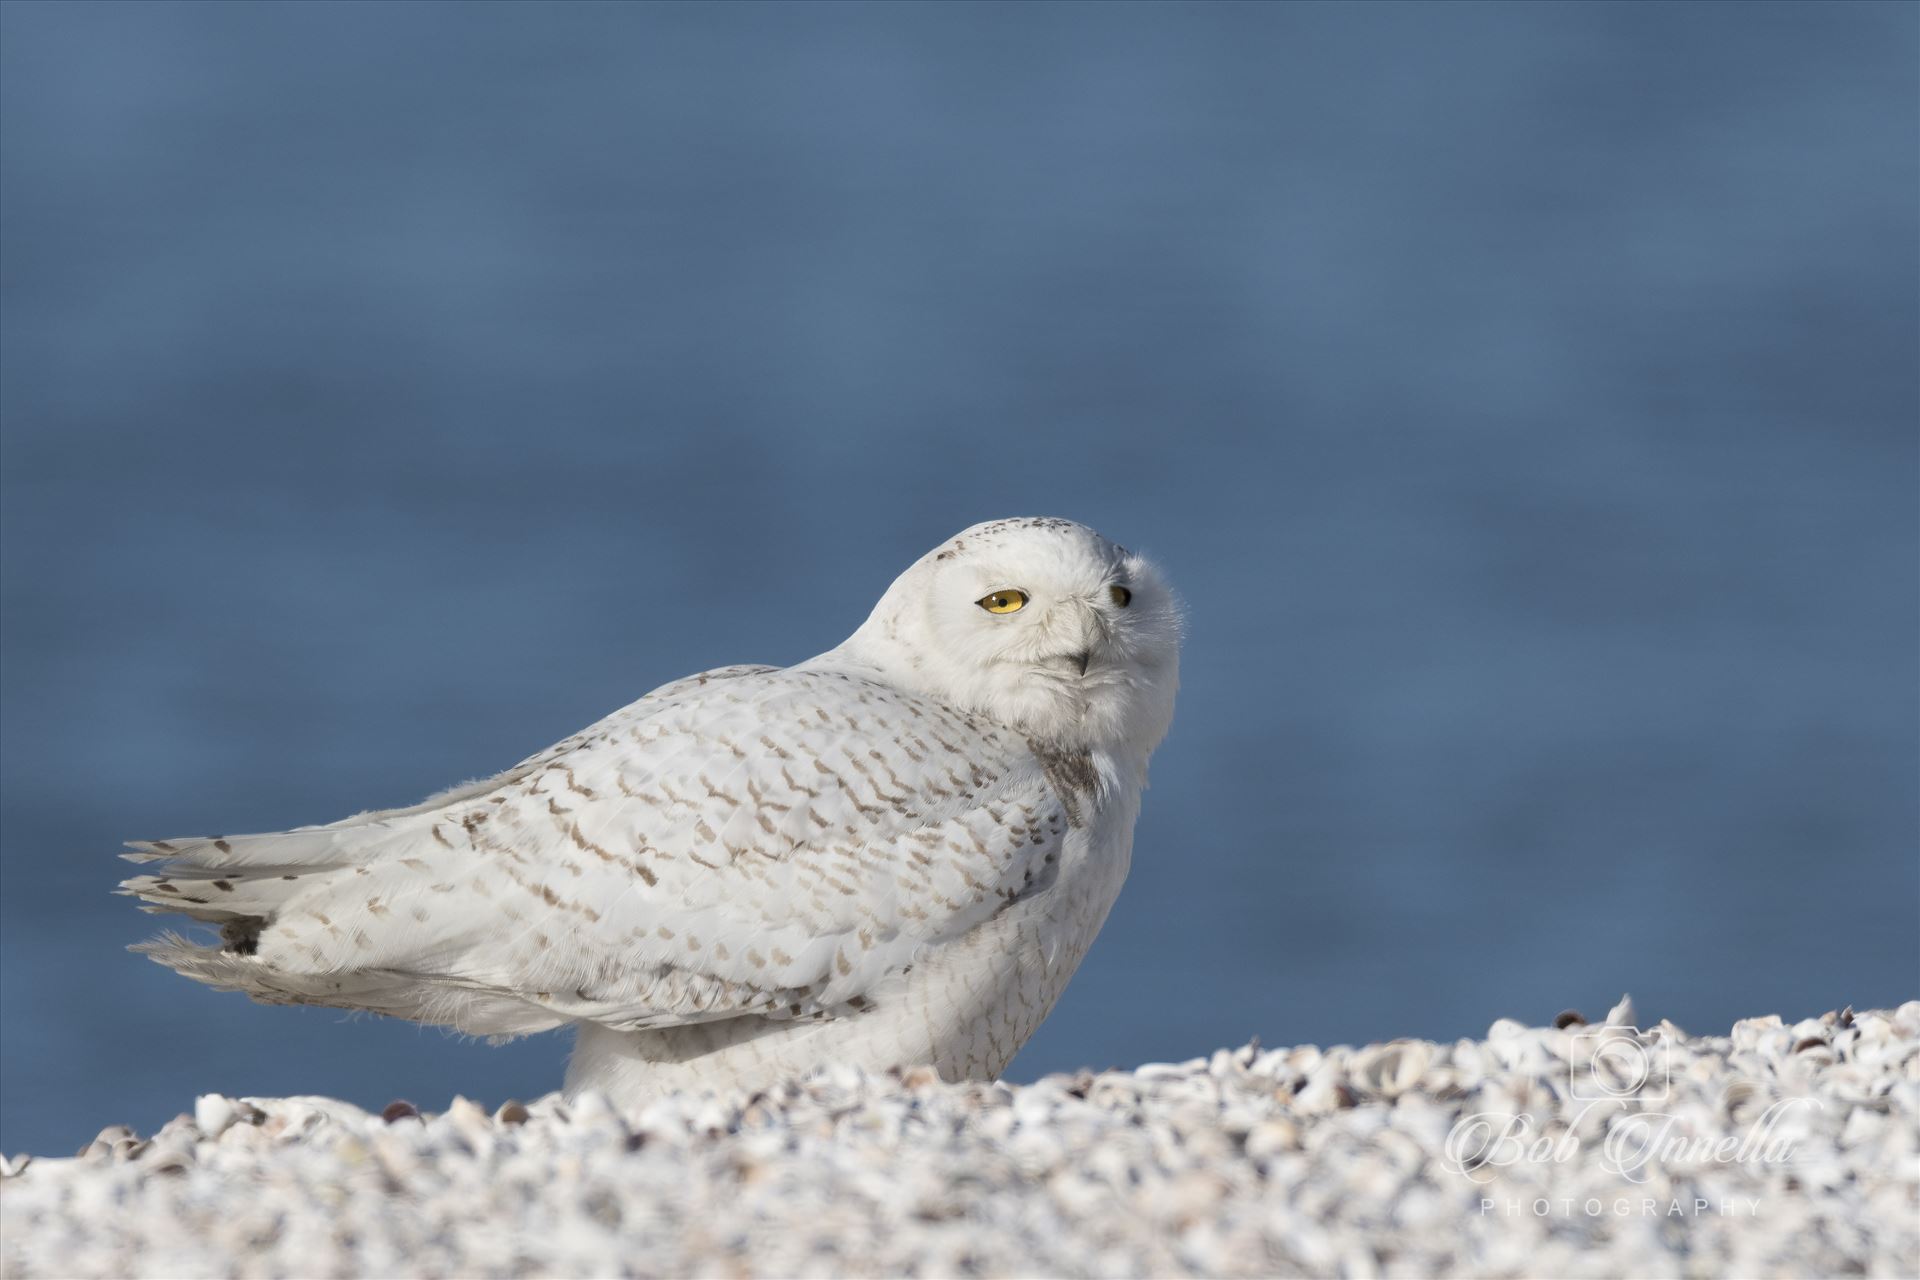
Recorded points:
986,993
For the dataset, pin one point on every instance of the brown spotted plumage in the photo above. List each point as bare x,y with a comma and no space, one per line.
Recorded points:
894,853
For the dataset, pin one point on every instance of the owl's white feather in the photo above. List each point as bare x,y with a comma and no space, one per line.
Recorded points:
752,846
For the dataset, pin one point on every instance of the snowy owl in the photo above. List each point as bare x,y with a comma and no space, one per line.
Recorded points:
893,854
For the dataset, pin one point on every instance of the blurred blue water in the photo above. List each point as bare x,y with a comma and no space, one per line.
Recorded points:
1523,397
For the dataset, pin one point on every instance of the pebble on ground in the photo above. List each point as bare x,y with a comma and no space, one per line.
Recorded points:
1572,1150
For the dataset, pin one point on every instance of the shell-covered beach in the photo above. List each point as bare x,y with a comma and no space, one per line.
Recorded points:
1574,1150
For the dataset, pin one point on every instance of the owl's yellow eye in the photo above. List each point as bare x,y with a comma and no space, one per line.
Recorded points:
1008,601
1121,596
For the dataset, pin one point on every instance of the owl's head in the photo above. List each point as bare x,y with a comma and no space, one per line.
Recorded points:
1041,625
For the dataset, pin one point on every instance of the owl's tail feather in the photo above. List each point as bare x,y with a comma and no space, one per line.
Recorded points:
248,885
348,842
228,880
475,1009
311,847
242,884
220,895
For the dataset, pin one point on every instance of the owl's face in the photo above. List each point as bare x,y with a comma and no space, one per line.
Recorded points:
1040,624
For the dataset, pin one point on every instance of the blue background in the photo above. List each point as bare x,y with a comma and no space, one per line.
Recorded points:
1523,397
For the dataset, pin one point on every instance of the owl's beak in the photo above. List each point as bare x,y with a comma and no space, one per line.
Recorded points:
1092,639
